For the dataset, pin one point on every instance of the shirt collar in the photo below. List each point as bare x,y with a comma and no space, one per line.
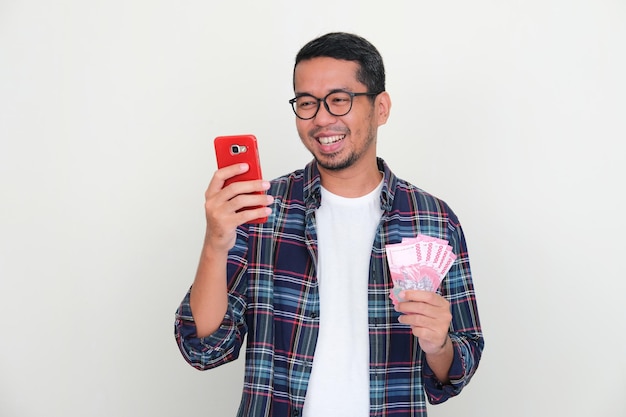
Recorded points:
313,184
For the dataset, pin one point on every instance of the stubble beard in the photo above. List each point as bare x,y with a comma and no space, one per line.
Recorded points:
332,163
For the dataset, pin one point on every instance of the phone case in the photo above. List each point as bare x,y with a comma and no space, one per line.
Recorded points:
230,150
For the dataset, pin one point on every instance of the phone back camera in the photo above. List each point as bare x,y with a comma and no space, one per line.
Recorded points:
237,149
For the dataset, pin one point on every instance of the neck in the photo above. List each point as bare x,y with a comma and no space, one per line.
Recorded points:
352,182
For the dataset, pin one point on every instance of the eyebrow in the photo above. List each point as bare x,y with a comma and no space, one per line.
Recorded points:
334,90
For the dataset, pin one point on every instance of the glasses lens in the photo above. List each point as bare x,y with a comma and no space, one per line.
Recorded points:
339,103
305,106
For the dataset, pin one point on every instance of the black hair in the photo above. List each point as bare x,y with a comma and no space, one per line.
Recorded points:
348,47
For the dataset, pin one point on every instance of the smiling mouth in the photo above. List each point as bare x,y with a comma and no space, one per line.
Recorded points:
328,140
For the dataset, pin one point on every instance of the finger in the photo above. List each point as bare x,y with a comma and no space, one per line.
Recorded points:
227,212
223,174
414,307
436,306
242,201
240,209
439,313
431,338
428,297
416,320
425,327
247,215
252,187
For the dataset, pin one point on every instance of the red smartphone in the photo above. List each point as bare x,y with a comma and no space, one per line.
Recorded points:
230,150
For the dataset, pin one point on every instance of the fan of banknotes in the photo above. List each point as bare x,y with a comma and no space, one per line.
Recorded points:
418,263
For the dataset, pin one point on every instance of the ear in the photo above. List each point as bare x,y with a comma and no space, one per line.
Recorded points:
383,107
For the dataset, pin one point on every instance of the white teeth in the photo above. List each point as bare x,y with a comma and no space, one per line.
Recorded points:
331,139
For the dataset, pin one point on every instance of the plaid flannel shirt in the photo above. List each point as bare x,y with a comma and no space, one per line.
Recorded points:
274,300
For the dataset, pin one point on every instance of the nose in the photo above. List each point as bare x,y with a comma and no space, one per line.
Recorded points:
323,116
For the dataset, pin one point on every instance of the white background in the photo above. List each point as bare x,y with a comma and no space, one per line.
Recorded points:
514,112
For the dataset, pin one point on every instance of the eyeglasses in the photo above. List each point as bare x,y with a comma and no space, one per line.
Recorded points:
337,103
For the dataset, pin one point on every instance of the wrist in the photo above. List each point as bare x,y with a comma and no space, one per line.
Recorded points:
443,348
214,250
441,361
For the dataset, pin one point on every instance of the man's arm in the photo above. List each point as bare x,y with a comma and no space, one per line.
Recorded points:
209,295
452,315
223,209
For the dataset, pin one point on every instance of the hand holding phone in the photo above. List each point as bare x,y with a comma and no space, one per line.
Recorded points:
231,150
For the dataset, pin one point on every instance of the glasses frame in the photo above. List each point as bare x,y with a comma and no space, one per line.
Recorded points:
323,100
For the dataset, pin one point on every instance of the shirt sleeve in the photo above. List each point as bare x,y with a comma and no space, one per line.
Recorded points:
460,372
220,347
224,344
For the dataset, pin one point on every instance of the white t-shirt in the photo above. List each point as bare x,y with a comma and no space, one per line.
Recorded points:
339,383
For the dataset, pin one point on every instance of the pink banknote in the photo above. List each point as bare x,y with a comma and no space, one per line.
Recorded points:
418,263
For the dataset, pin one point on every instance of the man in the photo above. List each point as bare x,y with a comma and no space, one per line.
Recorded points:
310,287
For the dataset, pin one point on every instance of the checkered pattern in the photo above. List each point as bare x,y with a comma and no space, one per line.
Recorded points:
274,300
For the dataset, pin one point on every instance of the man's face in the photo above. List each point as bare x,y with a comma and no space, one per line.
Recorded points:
337,142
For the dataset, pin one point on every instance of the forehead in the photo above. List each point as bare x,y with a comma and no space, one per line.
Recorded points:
323,74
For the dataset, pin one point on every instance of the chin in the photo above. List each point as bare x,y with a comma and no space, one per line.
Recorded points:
331,164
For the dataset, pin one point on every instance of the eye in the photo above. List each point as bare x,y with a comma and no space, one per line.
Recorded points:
306,102
339,99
